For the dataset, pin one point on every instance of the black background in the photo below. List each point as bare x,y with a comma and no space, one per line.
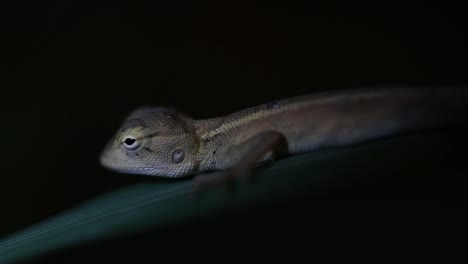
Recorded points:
72,69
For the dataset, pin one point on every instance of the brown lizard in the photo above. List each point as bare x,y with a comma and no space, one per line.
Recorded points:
161,141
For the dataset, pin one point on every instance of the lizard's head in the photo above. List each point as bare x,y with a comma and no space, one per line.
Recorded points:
153,141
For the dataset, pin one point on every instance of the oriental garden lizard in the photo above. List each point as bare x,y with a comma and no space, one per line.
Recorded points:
161,141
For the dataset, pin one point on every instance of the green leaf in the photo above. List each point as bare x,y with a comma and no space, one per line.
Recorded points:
162,203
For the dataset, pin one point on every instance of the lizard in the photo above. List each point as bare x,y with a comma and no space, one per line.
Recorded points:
164,142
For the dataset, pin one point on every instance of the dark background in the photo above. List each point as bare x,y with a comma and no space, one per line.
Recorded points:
72,69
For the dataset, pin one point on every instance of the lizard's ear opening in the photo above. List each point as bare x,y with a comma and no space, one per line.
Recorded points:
178,156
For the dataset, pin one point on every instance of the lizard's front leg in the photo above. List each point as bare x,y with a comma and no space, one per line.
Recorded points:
246,154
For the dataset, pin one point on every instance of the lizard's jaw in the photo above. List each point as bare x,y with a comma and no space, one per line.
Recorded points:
119,165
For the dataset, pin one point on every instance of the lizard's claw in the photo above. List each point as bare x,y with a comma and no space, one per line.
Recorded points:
225,179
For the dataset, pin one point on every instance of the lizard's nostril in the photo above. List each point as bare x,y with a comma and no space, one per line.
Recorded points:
103,159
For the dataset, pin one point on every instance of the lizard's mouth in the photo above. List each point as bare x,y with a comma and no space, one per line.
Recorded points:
118,165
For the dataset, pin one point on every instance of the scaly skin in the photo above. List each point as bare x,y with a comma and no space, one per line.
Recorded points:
163,142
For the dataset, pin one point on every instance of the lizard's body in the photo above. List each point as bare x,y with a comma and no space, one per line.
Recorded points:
172,144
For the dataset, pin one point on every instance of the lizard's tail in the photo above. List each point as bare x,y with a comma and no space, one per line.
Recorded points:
441,107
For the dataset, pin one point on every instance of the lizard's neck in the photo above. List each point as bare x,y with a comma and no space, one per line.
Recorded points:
204,127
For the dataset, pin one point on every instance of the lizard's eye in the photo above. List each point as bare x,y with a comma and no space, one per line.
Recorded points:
131,143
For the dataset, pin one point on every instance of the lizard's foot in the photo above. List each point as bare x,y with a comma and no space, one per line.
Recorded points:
249,152
217,179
